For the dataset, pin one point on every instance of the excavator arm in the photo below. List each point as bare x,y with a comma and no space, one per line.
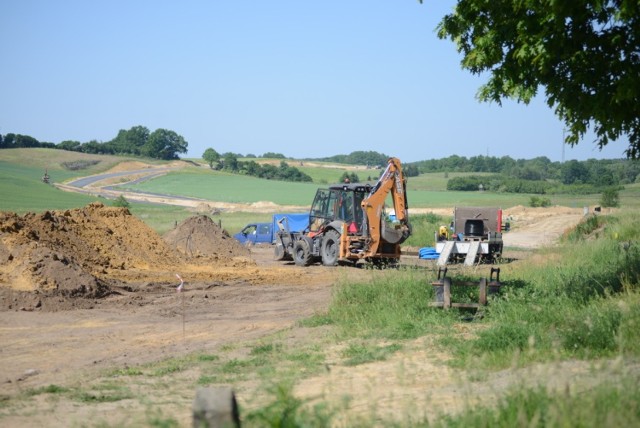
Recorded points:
392,180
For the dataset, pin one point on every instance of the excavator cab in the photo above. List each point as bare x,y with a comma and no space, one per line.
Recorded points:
342,203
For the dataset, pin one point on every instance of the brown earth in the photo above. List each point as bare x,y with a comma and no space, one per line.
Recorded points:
51,259
91,289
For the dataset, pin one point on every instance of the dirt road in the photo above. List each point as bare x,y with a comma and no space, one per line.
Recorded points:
151,322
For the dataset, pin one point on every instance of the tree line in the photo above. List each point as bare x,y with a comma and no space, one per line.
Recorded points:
229,162
535,176
597,172
137,141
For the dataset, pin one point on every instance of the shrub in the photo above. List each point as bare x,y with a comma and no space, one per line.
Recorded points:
538,201
121,202
610,198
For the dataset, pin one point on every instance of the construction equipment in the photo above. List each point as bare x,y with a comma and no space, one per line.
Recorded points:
347,223
476,233
443,285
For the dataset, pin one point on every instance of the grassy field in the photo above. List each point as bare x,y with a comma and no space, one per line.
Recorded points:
224,187
22,190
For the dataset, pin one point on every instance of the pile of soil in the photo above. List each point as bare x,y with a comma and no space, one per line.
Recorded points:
60,260
200,237
75,252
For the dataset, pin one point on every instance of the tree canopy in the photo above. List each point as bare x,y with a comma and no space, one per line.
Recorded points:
211,156
369,158
138,141
164,144
584,53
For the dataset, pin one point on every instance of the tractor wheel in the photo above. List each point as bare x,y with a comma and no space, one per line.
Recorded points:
278,252
302,253
330,248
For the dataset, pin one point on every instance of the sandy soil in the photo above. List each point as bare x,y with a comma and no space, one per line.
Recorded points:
87,290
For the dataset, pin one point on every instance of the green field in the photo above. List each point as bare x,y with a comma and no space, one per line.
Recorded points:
225,187
22,190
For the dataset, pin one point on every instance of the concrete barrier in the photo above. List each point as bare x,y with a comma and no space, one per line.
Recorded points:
215,407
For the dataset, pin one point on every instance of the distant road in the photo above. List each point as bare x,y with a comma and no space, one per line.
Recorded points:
88,185
148,174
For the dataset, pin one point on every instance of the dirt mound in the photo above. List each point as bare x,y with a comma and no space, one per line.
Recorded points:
60,260
74,252
200,237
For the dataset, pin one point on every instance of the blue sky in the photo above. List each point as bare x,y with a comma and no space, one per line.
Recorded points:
306,79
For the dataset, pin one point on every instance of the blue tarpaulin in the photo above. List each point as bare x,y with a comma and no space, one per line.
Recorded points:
292,223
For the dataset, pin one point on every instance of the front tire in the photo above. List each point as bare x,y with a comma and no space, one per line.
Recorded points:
302,253
278,252
330,248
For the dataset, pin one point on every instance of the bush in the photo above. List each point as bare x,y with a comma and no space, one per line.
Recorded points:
610,198
538,201
121,202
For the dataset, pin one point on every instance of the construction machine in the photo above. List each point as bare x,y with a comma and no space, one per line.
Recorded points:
475,234
348,223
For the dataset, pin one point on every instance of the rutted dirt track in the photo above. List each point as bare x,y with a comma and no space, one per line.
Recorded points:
95,288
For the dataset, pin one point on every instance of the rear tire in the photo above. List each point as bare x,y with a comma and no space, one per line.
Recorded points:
302,253
330,248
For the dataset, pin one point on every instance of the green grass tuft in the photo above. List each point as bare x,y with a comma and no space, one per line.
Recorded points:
361,353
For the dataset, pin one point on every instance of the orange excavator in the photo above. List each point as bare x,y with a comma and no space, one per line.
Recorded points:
348,223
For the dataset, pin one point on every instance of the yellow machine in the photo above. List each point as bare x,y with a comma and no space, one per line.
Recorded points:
347,223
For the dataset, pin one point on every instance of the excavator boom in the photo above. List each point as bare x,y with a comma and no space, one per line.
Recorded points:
391,181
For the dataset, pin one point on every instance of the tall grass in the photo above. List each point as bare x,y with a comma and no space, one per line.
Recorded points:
390,306
287,411
584,304
606,405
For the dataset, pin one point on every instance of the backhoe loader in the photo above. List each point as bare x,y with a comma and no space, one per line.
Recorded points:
348,224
